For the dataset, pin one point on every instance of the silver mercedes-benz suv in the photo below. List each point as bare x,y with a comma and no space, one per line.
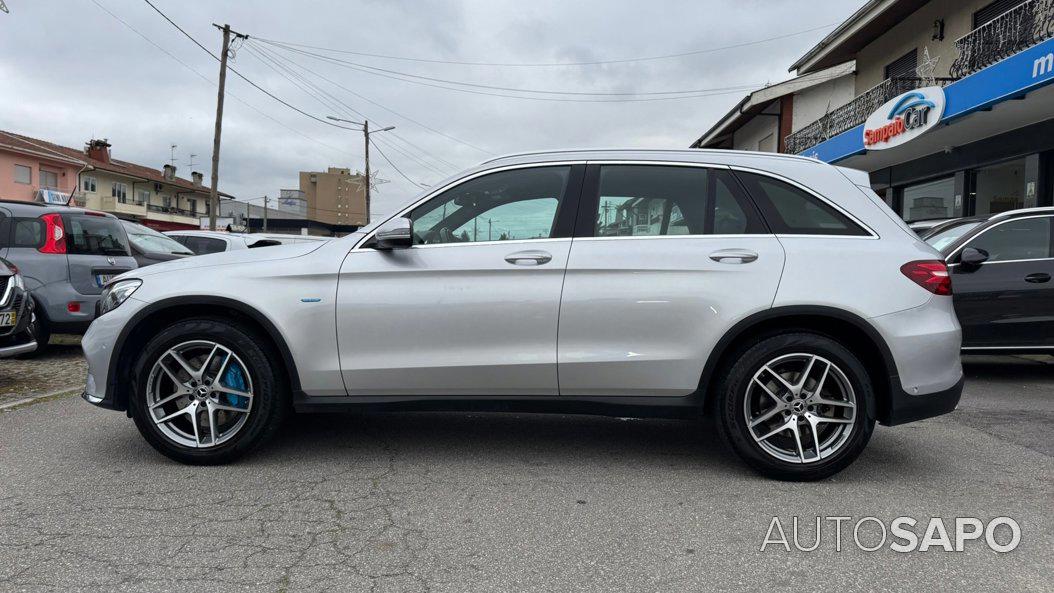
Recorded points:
776,294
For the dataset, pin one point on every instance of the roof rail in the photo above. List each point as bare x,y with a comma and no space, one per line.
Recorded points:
1022,211
656,151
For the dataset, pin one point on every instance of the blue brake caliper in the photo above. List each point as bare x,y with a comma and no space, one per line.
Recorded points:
235,379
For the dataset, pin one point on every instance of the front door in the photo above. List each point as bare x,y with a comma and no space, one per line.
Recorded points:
1008,301
665,259
472,307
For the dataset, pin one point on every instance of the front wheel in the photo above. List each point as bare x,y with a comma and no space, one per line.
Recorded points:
206,392
795,406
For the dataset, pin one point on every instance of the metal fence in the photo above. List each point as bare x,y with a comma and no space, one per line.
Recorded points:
1015,30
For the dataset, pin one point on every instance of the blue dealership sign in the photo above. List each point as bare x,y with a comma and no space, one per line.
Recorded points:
1010,78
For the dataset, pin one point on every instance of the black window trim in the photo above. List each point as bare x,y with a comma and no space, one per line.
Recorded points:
871,234
953,257
590,201
565,213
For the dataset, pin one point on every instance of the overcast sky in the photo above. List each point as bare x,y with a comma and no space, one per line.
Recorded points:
70,71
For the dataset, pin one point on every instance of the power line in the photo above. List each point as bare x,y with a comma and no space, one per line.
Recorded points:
384,107
327,99
554,64
415,78
397,168
239,74
210,82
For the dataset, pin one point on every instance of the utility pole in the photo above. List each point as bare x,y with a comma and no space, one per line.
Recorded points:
366,137
266,199
214,197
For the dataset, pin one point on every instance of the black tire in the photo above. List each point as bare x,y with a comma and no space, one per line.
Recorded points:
270,404
733,390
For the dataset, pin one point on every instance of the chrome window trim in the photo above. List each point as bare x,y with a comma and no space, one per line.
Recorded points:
457,182
1000,223
1007,348
1006,261
475,243
843,211
653,237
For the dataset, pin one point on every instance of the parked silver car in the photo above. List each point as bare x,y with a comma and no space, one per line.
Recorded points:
206,242
776,293
66,255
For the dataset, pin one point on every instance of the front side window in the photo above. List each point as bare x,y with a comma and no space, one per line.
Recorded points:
1025,238
504,206
789,210
655,200
23,174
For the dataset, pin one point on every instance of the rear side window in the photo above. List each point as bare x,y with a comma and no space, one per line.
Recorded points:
27,232
204,245
651,200
789,210
95,235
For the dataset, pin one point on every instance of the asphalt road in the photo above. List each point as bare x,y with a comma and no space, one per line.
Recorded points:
478,502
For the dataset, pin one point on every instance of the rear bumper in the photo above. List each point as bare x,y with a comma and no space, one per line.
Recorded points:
905,407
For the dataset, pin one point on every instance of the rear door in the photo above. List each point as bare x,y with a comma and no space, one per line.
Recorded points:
665,259
96,250
1008,301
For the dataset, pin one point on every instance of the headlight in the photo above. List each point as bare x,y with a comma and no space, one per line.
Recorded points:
17,281
115,294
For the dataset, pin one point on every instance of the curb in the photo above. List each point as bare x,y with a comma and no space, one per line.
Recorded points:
25,401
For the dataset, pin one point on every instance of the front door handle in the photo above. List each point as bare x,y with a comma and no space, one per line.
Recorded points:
529,258
734,256
1038,278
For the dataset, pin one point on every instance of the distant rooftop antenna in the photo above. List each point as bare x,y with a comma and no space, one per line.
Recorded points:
3,7
171,148
191,165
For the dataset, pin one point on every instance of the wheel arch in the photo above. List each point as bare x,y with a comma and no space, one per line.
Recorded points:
848,328
144,324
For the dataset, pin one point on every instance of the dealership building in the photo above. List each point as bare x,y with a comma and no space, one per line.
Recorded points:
948,105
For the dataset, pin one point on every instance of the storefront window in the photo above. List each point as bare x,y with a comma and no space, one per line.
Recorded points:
998,188
929,200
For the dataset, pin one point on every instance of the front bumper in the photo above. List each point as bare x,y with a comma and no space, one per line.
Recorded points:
98,345
17,340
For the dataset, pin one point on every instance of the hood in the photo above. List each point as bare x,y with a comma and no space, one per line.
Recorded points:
238,256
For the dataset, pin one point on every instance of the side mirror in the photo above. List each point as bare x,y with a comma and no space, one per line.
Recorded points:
973,257
395,234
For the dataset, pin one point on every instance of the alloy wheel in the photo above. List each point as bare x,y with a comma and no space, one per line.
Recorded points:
199,394
800,408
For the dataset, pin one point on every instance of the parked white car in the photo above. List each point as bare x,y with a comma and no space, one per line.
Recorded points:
776,293
205,242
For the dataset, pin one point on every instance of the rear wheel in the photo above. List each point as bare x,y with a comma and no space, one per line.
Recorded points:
795,406
206,392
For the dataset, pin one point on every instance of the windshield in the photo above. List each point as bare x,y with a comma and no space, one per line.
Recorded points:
151,241
96,235
950,235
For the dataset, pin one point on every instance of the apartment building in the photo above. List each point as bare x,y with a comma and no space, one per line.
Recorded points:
335,197
948,105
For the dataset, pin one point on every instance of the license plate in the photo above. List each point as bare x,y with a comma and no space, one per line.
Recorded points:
8,319
102,279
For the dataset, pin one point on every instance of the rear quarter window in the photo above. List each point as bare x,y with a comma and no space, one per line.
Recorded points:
27,232
789,210
95,235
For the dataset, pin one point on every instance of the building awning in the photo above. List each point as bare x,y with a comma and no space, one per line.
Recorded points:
1013,78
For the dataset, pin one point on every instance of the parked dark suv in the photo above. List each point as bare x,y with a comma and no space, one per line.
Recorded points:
16,313
65,255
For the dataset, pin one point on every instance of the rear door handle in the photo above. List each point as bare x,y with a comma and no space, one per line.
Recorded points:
734,256
1038,278
528,258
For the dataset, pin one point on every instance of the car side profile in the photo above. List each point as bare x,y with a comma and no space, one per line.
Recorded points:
1001,266
777,294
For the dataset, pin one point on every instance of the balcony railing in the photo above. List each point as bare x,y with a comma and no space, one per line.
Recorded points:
1015,30
171,210
855,112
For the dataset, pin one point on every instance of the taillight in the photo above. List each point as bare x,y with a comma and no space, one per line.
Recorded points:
930,274
54,234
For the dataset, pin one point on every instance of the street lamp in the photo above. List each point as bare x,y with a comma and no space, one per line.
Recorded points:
366,136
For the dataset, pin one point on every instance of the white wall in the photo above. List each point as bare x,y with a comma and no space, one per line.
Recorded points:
813,103
758,129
